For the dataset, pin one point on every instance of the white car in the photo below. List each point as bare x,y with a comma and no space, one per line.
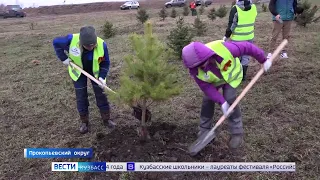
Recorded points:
130,5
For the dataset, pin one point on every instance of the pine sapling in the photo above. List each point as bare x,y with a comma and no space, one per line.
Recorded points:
179,37
147,76
142,16
32,25
163,14
306,4
308,15
186,10
264,7
199,26
222,11
173,13
212,14
202,9
108,30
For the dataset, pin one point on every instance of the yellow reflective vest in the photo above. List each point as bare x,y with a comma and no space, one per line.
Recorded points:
245,28
75,53
230,67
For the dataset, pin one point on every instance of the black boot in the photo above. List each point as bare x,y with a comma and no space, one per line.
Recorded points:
84,123
105,117
244,72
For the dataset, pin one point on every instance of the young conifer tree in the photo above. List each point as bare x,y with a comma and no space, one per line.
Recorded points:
147,75
163,14
173,13
179,37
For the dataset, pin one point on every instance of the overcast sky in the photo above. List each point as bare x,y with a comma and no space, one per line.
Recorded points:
30,3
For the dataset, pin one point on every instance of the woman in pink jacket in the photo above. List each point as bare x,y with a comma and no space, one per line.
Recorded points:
216,65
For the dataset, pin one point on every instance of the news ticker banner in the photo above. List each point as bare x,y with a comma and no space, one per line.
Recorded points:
58,153
174,166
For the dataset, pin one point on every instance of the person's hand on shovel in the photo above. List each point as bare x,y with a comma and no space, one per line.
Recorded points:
267,65
103,82
225,107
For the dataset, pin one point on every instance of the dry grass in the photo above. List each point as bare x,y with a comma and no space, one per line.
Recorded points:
281,112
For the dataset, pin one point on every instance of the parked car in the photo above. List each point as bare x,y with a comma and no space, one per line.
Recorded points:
173,3
13,11
130,5
204,2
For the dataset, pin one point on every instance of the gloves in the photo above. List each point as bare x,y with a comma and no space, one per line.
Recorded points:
224,39
103,82
225,106
267,65
66,62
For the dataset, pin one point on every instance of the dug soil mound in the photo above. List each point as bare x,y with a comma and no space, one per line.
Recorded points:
168,143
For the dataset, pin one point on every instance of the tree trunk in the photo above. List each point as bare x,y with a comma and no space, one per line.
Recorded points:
143,132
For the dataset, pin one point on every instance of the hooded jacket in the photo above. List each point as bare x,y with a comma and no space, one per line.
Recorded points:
245,5
196,54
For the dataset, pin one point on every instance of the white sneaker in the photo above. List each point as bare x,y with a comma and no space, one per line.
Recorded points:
284,55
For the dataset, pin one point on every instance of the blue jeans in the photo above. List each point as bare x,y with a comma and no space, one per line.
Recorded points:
82,96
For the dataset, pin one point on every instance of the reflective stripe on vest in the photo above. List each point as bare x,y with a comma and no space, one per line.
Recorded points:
230,67
245,28
75,55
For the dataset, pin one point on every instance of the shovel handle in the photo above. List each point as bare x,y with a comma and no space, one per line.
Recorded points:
91,77
249,86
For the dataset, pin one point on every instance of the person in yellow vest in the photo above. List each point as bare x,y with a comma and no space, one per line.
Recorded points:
89,52
215,66
241,26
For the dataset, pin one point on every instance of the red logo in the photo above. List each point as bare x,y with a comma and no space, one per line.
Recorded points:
100,59
227,65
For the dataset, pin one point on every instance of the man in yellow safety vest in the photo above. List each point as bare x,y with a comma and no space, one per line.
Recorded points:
241,26
89,52
216,65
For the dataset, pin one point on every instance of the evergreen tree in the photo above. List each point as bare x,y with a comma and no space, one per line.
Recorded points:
222,11
142,16
264,7
199,26
108,30
307,16
173,13
186,10
179,37
147,76
212,14
202,9
163,14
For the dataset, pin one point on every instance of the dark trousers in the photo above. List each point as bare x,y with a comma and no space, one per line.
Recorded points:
193,12
207,112
82,96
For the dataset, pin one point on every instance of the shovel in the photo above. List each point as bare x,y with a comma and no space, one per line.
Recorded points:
137,110
205,138
91,77
111,124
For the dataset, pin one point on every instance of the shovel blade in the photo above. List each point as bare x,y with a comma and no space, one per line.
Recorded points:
203,140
